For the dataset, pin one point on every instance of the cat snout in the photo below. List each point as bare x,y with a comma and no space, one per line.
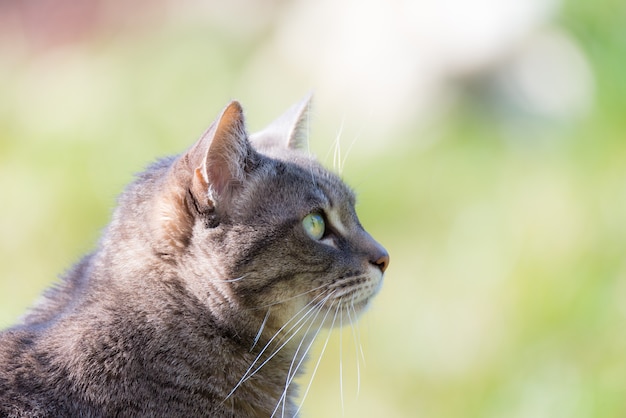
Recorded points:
376,254
381,260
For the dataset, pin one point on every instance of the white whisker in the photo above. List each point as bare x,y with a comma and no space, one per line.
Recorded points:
261,328
335,148
358,333
308,128
299,324
312,321
304,319
345,158
291,297
357,344
337,155
306,392
231,280
247,374
293,371
337,152
319,329
341,360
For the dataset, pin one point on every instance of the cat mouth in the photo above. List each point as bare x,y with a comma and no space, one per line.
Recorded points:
357,292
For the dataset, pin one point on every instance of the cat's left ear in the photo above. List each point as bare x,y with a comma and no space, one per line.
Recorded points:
210,170
220,156
290,130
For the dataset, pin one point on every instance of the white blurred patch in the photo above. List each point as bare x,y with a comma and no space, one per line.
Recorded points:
393,62
548,77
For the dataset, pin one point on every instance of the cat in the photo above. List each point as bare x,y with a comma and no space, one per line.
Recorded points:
206,290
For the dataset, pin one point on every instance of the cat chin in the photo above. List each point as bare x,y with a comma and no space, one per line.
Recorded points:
350,313
361,306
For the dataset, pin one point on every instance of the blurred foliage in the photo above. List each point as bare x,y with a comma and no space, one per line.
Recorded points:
506,294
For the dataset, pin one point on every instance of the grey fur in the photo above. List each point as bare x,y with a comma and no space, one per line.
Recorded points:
204,261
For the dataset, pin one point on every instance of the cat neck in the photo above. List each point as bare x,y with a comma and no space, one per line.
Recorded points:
175,337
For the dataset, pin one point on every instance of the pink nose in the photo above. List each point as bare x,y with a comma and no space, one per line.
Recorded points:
382,261
376,253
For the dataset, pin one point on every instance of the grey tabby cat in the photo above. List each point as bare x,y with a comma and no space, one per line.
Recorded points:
215,274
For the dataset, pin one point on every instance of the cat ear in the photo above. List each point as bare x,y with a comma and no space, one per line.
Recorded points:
290,130
218,159
209,170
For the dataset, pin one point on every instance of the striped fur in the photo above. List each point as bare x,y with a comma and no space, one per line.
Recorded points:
204,293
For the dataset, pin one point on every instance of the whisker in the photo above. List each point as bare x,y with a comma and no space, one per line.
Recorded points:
354,140
335,147
312,321
247,374
304,318
231,280
290,297
341,361
292,372
337,153
357,344
292,376
258,334
358,333
286,340
306,392
308,127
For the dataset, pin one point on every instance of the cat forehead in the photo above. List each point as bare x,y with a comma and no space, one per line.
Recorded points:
296,181
318,184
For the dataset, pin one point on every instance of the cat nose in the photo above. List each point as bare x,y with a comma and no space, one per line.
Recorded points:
375,253
381,260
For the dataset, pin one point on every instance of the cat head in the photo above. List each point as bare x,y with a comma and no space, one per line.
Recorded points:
259,222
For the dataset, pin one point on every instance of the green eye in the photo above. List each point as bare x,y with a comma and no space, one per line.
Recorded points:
314,225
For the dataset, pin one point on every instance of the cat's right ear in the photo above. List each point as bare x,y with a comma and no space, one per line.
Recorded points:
289,130
220,157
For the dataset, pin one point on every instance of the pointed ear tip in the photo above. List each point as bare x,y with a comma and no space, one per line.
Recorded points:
232,113
233,106
303,106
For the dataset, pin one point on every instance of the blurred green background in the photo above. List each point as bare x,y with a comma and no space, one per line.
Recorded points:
485,139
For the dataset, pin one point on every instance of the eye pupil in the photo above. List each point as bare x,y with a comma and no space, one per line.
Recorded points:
314,225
